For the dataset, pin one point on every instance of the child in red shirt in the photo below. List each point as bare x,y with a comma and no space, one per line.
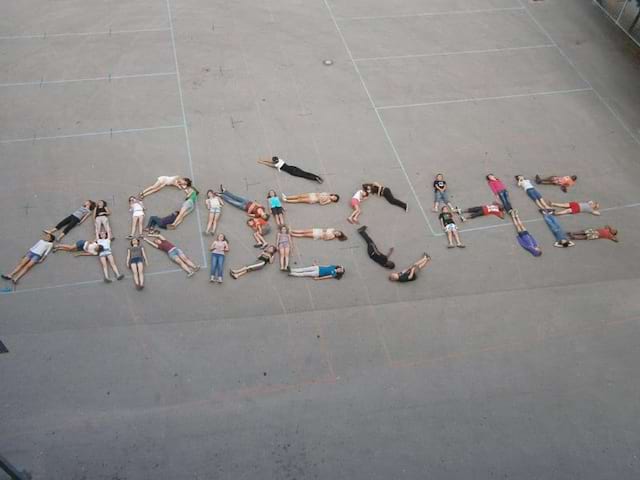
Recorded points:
606,233
563,182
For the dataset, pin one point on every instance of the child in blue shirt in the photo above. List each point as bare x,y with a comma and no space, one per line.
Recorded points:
276,207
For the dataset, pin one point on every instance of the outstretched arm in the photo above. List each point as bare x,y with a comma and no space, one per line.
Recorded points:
150,243
268,163
84,217
84,254
144,255
46,253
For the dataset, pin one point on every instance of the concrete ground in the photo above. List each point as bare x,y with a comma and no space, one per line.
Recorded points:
493,364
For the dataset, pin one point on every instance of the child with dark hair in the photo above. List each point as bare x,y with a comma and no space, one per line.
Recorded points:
136,207
449,226
319,272
175,254
358,197
563,182
252,208
214,205
160,222
319,234
606,233
73,220
284,241
480,211
374,253
500,191
81,248
440,194
101,219
34,255
411,273
189,204
525,239
574,208
136,260
380,190
322,198
280,165
166,181
106,258
531,192
266,257
219,247
260,227
276,207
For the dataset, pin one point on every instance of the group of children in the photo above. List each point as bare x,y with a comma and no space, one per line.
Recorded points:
502,204
258,217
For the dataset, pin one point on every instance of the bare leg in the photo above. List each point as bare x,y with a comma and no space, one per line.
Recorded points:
156,187
188,261
140,220
456,235
450,238
112,262
65,248
105,270
182,265
21,264
133,227
281,255
238,272
179,218
109,232
135,273
424,260
209,223
141,274
287,252
216,216
21,273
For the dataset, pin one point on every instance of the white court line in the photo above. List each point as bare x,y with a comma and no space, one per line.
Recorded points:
90,134
79,284
186,130
435,14
384,128
637,42
485,99
45,35
582,77
534,220
92,79
447,54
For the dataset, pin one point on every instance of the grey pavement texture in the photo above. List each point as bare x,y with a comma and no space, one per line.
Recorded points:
494,364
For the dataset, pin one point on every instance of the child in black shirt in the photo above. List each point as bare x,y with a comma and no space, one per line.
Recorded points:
449,226
440,194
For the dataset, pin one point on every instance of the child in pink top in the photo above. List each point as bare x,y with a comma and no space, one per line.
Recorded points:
500,191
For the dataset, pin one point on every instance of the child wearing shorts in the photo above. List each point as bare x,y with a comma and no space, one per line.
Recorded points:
276,207
450,228
136,207
531,192
358,197
214,205
440,195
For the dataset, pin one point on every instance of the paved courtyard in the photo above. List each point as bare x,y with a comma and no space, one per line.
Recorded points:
494,364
